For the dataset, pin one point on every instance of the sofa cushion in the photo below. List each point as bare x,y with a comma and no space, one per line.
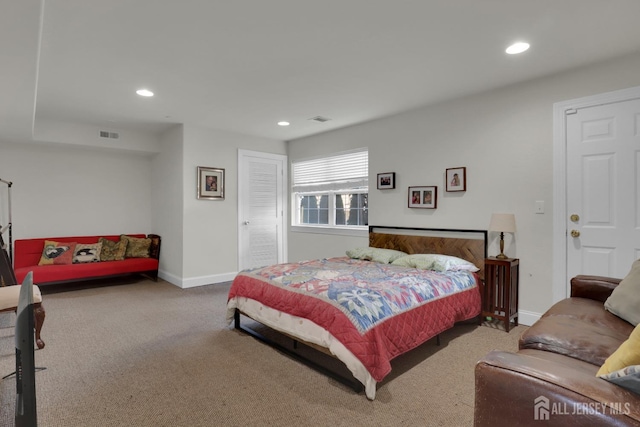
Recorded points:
57,253
87,252
628,378
590,311
112,251
579,328
627,354
136,247
625,298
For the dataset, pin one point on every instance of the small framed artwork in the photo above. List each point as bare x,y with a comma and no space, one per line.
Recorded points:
423,197
386,181
210,183
456,179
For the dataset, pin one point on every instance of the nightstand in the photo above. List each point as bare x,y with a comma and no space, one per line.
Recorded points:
500,290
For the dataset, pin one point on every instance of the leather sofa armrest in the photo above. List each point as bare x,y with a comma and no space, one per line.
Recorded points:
515,389
597,288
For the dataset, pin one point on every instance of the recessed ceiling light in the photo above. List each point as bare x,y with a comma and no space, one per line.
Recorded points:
517,48
283,123
144,92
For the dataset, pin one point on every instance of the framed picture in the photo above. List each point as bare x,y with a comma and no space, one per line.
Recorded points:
386,181
423,197
456,179
210,183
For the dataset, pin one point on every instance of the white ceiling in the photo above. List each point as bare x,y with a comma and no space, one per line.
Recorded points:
243,65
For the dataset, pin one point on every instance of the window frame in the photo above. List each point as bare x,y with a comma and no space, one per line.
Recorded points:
331,191
332,209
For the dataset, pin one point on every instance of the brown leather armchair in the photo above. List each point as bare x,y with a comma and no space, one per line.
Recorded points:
551,380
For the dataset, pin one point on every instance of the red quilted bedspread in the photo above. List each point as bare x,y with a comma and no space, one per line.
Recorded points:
376,311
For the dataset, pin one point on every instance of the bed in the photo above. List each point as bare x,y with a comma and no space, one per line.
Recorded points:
365,311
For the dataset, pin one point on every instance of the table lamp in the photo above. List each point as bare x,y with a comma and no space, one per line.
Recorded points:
502,223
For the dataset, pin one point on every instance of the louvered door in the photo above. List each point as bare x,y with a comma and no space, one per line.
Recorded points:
261,209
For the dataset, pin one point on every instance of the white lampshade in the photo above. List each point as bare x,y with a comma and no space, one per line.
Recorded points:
502,222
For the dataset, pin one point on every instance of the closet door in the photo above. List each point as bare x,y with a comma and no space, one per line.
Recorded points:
261,209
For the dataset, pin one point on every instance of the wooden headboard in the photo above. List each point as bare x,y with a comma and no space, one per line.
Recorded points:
467,244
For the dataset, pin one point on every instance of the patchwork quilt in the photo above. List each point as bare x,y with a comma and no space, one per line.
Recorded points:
377,311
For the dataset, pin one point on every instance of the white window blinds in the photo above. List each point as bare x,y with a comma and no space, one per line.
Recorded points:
338,172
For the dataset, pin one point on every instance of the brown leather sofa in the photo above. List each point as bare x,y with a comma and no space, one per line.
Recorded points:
551,380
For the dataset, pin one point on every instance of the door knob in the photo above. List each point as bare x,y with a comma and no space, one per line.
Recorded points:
246,223
574,218
575,233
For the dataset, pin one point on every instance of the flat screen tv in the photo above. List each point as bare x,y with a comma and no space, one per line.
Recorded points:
26,412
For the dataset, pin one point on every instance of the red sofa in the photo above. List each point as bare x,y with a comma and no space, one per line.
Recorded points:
27,253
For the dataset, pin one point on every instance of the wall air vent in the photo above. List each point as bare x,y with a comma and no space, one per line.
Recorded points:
320,119
110,135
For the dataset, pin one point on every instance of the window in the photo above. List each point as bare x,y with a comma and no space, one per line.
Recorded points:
352,208
332,192
314,208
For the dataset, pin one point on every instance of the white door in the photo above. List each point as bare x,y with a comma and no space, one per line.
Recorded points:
603,182
261,209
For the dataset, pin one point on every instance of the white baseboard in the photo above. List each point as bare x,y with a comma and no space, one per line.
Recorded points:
168,277
193,282
527,318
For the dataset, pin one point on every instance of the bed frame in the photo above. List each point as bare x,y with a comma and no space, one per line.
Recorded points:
467,244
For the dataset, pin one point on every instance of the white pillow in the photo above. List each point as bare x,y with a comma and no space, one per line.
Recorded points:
436,262
383,256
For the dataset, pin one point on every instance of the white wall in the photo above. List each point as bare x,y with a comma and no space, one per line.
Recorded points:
73,191
167,203
210,227
503,137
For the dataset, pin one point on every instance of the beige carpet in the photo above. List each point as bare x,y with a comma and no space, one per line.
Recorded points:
151,354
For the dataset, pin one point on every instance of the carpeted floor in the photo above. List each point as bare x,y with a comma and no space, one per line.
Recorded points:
151,354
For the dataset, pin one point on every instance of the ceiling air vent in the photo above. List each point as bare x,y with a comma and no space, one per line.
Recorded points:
110,135
319,119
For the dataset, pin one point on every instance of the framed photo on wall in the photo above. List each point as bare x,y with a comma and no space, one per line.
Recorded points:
423,197
210,183
456,179
386,181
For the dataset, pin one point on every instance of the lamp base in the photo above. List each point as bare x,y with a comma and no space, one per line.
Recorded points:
502,255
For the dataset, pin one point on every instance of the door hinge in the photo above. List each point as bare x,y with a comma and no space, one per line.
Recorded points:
569,111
